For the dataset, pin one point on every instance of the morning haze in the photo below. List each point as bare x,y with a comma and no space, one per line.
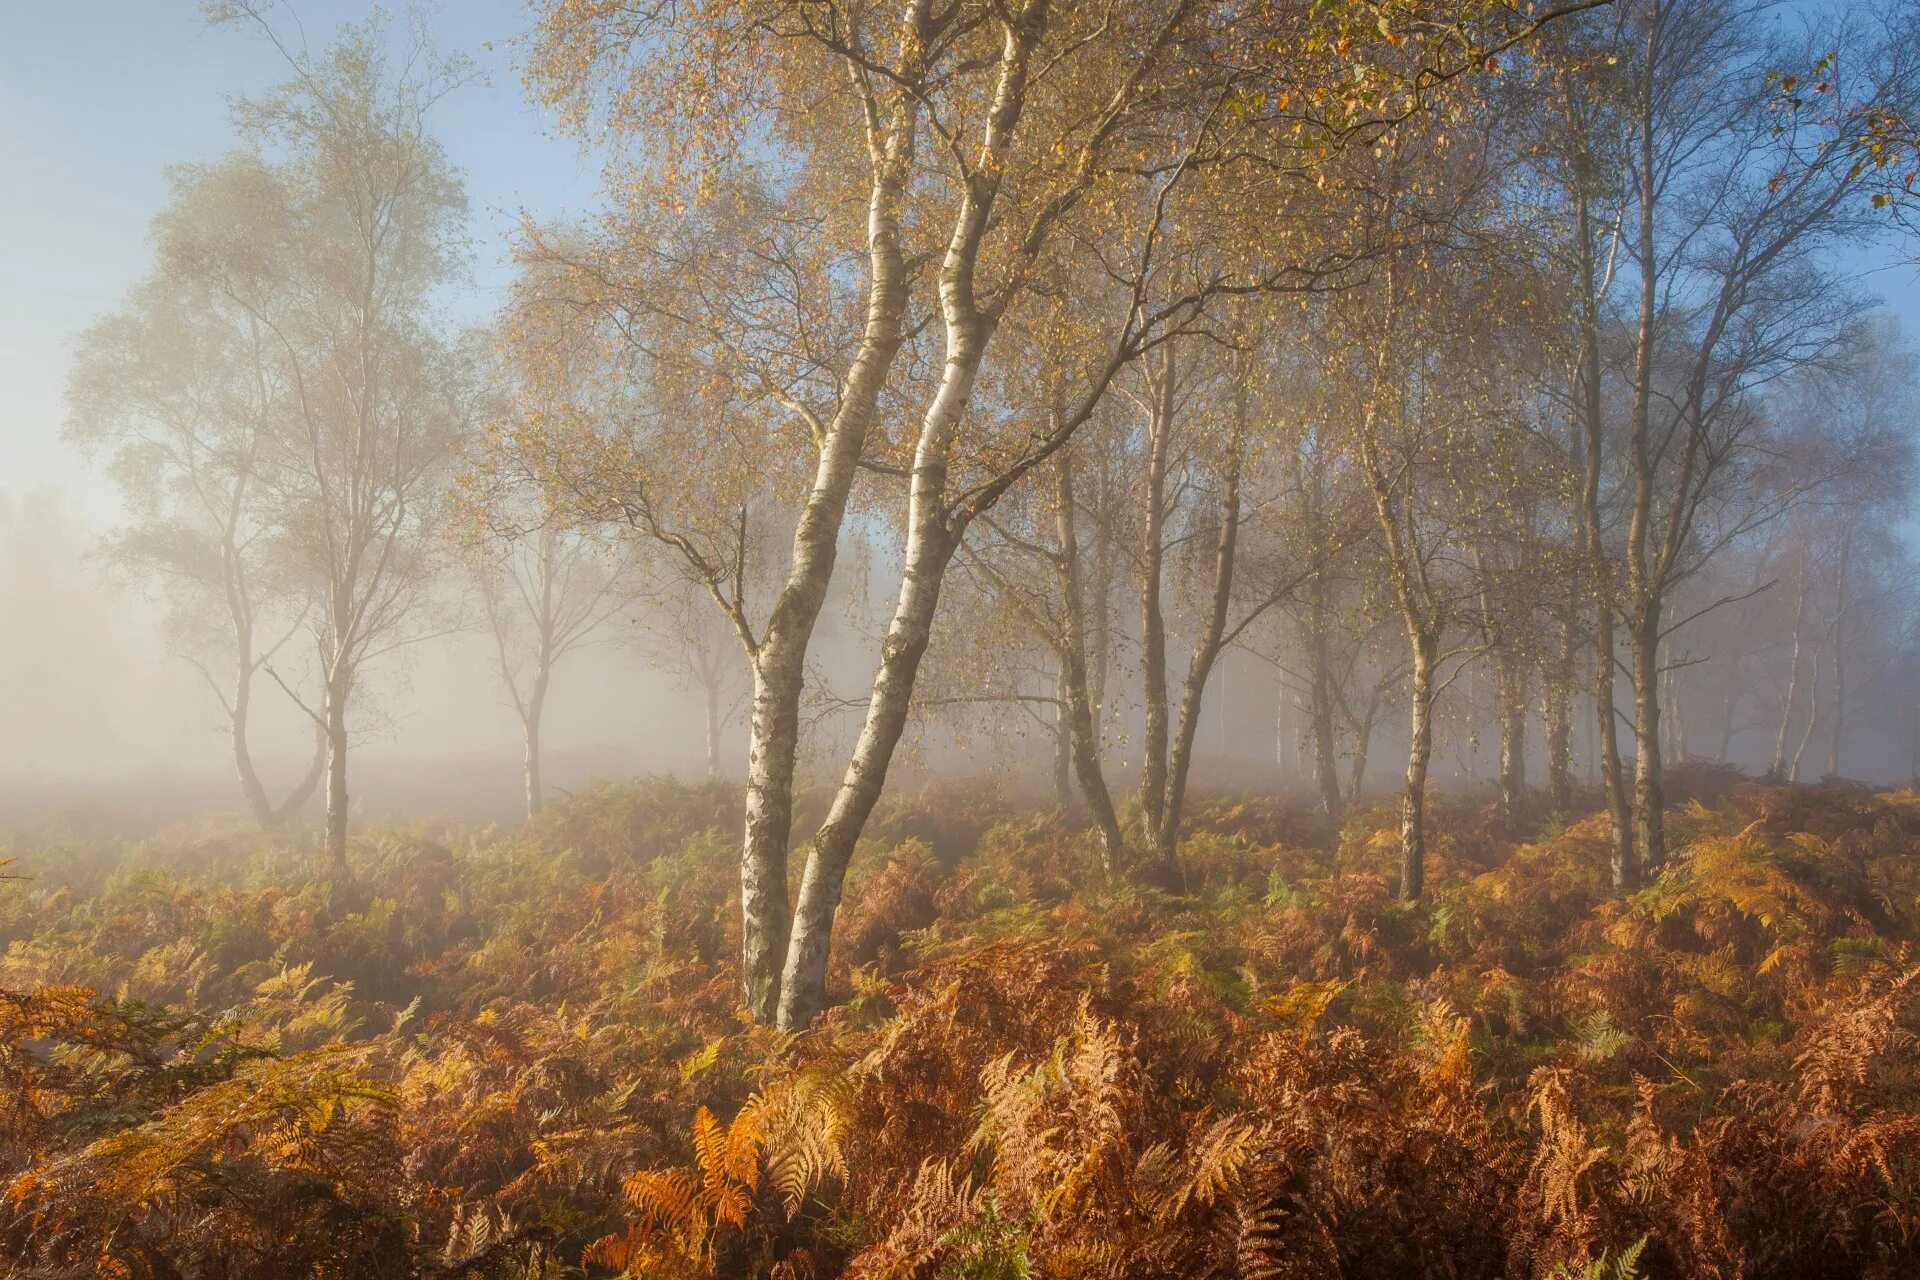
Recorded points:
805,638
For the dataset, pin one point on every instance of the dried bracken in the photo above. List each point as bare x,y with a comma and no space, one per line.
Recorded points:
521,1055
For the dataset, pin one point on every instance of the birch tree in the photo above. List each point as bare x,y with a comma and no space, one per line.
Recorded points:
545,591
698,82
965,149
187,392
1732,207
354,215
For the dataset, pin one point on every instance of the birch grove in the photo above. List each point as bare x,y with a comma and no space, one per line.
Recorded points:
1181,395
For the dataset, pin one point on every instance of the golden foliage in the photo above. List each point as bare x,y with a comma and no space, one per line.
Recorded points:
523,1053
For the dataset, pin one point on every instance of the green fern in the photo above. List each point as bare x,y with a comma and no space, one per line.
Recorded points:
1624,1265
991,1247
1596,1037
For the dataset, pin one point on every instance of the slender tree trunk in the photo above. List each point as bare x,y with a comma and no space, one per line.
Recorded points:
1605,714
1362,741
1062,745
710,687
803,984
1326,764
1559,717
1645,586
1677,713
1080,706
1813,719
1297,741
1648,800
1778,767
535,792
1669,748
237,717
1420,614
530,717
335,713
1728,705
778,676
1607,722
933,535
1280,734
240,710
1600,572
240,612
1510,689
1097,624
1836,742
1153,631
1413,801
303,791
1092,779
1207,652
1592,771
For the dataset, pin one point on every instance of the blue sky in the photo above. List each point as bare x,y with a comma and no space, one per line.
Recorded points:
98,97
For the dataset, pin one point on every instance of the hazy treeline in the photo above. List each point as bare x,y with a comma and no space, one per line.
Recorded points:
1370,395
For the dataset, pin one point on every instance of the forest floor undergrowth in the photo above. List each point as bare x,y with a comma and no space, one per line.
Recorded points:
518,1053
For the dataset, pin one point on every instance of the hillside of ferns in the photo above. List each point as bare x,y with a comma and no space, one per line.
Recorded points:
518,1054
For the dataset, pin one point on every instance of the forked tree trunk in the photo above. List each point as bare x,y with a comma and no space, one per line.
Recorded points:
933,532
930,544
804,980
265,811
245,667
779,661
